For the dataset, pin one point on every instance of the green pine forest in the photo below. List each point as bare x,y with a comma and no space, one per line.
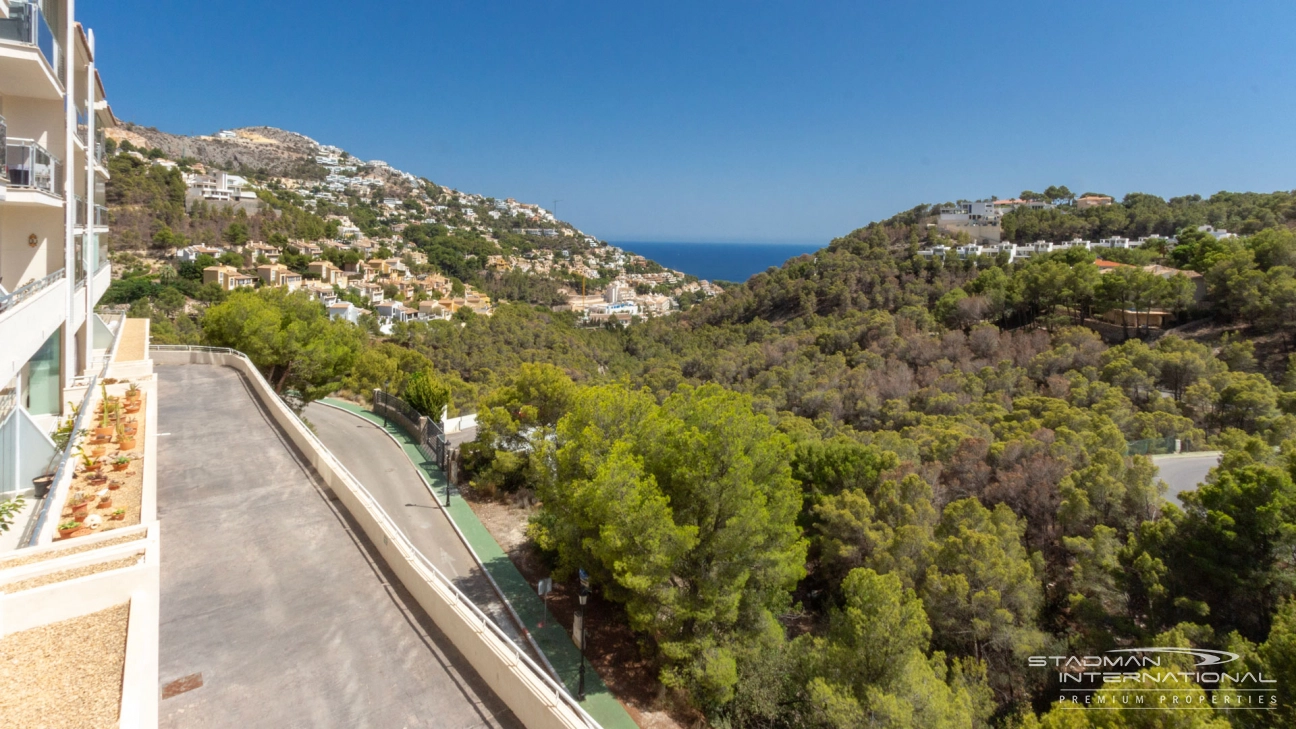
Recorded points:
861,489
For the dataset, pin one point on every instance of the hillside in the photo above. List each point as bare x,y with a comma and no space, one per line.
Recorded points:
265,150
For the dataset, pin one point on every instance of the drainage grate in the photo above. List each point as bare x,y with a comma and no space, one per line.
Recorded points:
181,685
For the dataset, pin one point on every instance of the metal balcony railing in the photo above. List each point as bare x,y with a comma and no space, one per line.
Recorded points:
26,291
31,165
27,24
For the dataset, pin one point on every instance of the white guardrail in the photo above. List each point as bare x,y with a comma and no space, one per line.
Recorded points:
389,527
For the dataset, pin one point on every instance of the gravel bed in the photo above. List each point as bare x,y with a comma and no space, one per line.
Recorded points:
67,674
72,574
55,554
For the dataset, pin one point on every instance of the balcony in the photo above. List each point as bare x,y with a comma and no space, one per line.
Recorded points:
28,316
32,166
27,29
82,126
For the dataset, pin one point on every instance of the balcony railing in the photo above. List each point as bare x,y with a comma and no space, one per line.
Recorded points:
27,24
100,216
99,146
82,125
22,293
80,211
30,165
4,148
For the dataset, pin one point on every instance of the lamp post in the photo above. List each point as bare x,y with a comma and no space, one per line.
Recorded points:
584,596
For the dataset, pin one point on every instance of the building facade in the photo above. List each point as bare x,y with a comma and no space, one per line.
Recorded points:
53,271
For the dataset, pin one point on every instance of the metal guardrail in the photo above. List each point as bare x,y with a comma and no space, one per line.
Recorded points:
26,291
560,692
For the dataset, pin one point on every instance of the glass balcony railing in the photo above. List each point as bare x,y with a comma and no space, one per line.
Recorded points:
80,211
82,125
4,148
26,291
100,216
99,146
27,24
30,165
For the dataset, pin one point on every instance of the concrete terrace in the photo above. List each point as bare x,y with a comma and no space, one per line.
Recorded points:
275,611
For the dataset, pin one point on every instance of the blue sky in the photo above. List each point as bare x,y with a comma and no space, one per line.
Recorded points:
729,121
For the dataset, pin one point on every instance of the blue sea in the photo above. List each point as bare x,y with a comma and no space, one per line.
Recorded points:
719,261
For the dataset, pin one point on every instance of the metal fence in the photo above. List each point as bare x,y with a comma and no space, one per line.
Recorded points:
1159,446
426,432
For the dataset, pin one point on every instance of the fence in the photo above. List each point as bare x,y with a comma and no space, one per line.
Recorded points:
1159,446
425,431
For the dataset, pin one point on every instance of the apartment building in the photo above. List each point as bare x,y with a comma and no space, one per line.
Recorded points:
53,111
227,277
277,274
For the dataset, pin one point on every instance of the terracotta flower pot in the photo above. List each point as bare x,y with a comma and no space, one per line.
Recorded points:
80,510
101,432
105,503
120,466
127,444
97,451
69,533
114,485
118,517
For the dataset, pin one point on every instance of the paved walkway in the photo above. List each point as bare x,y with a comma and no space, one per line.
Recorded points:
272,597
131,346
553,639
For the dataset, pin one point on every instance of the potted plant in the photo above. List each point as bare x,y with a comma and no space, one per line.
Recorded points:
114,485
119,515
105,499
89,464
125,441
98,450
133,392
69,529
105,427
120,463
80,505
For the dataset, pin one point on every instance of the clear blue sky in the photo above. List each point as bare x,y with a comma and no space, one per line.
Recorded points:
742,121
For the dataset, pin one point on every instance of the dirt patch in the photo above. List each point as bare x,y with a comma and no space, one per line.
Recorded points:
626,666
65,674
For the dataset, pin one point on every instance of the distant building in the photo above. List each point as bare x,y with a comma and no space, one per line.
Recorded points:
221,189
228,277
277,274
345,310
1092,201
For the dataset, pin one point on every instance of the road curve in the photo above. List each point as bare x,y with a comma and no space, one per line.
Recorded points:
383,468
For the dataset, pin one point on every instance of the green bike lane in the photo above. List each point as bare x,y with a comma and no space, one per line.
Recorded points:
552,639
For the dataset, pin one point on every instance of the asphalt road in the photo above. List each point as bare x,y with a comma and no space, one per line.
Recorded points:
384,469
273,597
1184,471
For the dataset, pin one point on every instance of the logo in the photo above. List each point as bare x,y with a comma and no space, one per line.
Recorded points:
1159,678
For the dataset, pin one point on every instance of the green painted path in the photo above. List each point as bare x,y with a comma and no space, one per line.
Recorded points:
552,639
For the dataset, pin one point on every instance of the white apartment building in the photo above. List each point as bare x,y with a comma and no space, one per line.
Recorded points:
52,214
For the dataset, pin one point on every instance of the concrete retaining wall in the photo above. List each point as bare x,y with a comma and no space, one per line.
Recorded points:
533,700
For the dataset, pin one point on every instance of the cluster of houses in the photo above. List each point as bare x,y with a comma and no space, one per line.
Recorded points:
1015,251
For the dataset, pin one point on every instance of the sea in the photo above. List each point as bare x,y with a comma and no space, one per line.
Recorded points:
719,261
